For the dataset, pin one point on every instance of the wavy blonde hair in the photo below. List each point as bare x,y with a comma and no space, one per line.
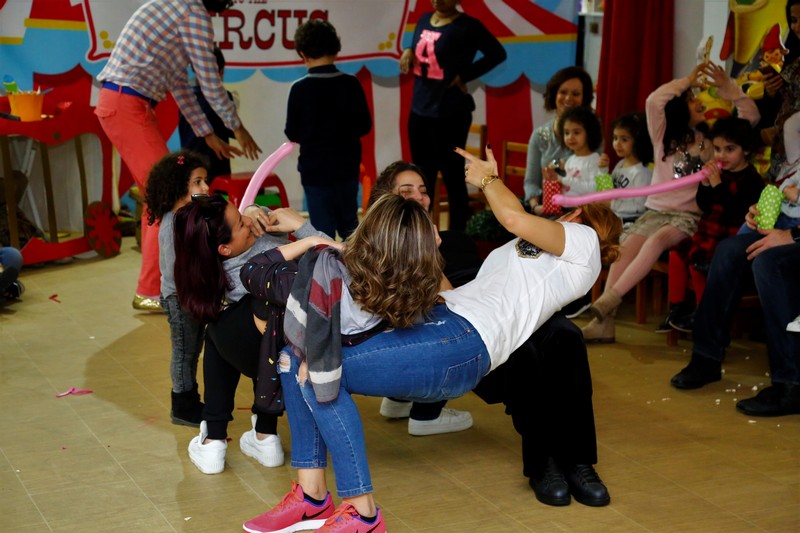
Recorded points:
608,226
394,263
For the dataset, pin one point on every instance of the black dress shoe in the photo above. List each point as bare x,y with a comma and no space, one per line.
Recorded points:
587,487
700,371
550,487
778,400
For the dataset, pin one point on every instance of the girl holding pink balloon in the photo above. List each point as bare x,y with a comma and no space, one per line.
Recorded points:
582,134
675,120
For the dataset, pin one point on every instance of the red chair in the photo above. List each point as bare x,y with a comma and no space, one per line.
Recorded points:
236,184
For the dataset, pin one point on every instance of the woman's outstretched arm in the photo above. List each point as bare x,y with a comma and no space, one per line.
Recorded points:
541,232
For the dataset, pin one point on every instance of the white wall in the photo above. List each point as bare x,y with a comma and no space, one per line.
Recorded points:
695,20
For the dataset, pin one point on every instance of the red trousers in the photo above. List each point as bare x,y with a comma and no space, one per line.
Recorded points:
130,123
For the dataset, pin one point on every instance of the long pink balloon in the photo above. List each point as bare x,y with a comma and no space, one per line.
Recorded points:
632,192
261,173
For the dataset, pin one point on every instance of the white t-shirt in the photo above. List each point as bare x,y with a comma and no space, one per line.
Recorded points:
513,295
637,175
581,171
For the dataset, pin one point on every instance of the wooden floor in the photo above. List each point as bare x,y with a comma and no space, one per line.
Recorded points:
112,461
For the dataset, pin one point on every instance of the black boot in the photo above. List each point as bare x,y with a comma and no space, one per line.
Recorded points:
699,372
187,409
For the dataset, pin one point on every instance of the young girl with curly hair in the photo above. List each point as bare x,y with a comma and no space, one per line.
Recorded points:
170,186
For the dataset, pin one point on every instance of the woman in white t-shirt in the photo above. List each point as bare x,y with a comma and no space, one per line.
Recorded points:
390,268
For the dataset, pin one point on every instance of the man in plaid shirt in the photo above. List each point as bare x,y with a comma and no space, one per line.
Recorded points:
150,58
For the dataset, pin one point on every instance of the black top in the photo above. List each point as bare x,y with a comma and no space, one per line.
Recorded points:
327,115
440,54
728,203
190,141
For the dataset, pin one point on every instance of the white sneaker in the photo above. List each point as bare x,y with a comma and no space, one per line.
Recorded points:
393,409
449,421
208,458
794,325
268,452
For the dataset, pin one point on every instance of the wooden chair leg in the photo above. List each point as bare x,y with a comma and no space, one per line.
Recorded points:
641,301
672,338
658,293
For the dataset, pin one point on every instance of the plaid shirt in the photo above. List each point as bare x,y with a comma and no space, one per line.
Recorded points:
154,50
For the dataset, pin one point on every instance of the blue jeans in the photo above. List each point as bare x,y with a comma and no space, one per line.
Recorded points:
186,334
333,207
783,222
775,274
443,358
11,260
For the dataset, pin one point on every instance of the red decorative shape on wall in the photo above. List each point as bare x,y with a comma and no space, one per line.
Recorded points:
508,111
56,10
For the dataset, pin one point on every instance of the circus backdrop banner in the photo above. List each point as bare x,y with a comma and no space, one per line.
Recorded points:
61,45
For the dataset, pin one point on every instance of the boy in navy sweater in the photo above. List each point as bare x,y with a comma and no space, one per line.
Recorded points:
327,115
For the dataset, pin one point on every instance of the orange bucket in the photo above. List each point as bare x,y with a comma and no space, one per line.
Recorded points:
27,106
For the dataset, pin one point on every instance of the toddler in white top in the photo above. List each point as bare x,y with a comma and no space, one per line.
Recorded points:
632,144
582,133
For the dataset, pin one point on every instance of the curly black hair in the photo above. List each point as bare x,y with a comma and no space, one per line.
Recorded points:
317,38
168,182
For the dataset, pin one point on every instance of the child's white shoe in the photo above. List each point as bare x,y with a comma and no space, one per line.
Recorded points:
794,325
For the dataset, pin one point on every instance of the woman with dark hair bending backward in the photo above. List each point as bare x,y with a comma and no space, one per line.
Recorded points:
212,242
390,271
675,120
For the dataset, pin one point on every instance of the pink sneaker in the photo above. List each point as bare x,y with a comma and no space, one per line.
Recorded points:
347,520
293,513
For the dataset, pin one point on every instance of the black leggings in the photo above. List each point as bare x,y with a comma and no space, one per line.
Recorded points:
232,347
432,141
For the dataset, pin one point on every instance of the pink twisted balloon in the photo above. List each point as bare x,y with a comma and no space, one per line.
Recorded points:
633,192
261,173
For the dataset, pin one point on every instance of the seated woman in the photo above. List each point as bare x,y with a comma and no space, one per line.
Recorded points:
390,272
207,284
